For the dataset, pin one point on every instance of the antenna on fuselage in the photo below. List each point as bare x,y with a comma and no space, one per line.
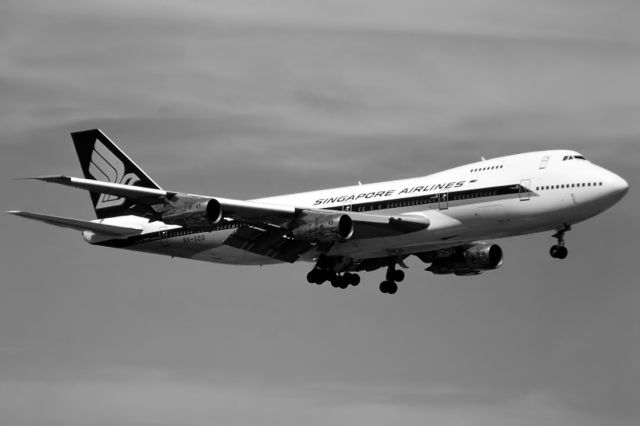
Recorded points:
483,159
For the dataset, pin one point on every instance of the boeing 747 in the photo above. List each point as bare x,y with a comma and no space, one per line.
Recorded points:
444,218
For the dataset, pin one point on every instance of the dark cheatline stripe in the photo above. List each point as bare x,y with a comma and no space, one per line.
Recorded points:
470,196
455,199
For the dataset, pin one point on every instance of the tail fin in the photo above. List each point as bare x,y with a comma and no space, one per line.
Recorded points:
102,160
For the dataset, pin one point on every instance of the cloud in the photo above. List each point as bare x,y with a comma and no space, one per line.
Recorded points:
161,400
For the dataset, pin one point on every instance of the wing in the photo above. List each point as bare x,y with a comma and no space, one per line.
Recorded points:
112,231
279,231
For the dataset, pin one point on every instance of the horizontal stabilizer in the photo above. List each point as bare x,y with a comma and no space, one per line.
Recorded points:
80,225
120,190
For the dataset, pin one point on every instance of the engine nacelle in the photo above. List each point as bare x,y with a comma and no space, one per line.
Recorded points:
325,228
193,213
472,260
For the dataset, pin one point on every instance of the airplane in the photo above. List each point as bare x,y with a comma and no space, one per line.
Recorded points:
443,218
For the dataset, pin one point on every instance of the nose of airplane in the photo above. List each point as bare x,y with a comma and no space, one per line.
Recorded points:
615,187
618,185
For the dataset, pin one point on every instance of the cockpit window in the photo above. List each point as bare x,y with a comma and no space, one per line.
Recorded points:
573,157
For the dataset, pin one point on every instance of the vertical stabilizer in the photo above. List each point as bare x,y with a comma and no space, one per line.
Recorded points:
102,160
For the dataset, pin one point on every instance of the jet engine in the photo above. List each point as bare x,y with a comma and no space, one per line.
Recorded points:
325,228
468,260
193,213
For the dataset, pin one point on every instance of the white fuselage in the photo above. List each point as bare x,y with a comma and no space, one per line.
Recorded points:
500,197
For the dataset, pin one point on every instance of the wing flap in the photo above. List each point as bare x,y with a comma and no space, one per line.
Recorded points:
256,212
80,225
374,226
272,243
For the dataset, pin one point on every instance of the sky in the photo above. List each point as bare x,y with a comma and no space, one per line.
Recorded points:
244,99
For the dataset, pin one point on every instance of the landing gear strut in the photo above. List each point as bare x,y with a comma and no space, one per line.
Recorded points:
389,286
559,251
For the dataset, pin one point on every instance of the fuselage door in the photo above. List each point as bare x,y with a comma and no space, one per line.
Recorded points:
443,200
544,162
525,189
164,240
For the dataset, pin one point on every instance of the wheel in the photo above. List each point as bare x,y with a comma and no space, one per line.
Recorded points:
316,276
558,252
322,276
336,281
388,287
398,275
355,279
344,283
352,279
562,252
312,276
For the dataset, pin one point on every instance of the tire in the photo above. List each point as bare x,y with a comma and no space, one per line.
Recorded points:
398,275
562,252
355,279
322,277
558,252
388,287
312,276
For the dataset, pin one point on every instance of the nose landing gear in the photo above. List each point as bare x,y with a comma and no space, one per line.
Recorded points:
559,251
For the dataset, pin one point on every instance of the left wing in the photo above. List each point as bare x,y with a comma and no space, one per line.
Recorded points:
112,231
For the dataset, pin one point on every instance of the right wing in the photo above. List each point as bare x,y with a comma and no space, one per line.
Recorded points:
169,204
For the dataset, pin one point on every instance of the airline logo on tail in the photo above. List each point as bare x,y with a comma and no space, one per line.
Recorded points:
106,167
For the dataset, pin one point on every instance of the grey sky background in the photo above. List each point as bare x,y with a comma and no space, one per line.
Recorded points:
253,98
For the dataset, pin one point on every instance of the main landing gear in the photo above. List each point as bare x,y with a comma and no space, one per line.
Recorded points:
334,270
389,286
559,251
319,276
